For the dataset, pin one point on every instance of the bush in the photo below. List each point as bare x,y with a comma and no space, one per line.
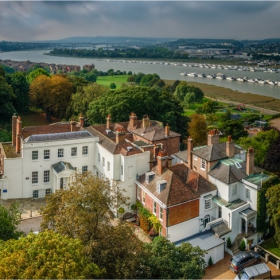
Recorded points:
242,245
113,86
210,262
229,244
144,223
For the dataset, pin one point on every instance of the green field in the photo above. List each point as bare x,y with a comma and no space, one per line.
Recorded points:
107,80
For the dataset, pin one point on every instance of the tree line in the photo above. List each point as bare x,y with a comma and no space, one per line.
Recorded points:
151,52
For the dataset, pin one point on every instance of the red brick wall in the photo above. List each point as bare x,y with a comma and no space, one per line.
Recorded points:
183,212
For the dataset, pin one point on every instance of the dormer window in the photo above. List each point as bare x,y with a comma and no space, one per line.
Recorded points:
161,185
149,176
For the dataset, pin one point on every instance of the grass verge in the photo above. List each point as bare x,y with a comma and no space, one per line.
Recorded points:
107,80
271,246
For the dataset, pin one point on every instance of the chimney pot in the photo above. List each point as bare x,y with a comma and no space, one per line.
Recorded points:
162,162
167,130
213,137
230,147
108,123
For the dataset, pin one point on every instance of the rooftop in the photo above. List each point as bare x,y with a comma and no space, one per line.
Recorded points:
10,150
257,179
61,166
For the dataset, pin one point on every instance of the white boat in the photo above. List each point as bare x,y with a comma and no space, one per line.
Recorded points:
184,73
192,74
220,76
230,78
251,80
240,79
211,76
201,75
262,82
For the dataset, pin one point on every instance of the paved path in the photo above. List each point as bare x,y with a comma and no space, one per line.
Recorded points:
31,224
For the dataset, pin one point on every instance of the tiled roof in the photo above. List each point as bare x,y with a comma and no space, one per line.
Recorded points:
182,185
58,136
183,155
213,152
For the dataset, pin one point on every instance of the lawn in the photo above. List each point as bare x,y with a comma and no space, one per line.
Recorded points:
107,80
271,246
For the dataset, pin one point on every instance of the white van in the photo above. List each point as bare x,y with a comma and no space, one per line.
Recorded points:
258,271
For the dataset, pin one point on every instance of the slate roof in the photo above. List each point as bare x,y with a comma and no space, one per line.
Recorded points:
61,166
229,171
183,155
107,140
182,185
154,133
58,136
221,229
214,152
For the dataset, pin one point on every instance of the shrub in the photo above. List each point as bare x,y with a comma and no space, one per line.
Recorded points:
113,86
144,223
210,262
229,244
242,245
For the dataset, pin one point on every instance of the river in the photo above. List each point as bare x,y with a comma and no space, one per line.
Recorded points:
170,72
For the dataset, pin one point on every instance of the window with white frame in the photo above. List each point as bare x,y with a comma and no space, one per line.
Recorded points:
155,208
108,166
46,154
203,164
143,196
195,157
138,192
248,194
35,194
35,177
122,170
34,155
85,150
98,157
103,161
46,176
73,151
234,190
48,192
60,153
208,203
160,213
84,168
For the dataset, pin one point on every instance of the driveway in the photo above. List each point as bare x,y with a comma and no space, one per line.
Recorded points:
220,270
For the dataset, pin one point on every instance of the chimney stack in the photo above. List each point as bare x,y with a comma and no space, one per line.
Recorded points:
162,161
14,129
120,135
82,121
190,148
230,147
108,123
132,120
250,161
19,133
72,125
145,121
213,137
167,130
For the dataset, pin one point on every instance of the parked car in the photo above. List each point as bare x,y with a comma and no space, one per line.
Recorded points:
258,271
244,259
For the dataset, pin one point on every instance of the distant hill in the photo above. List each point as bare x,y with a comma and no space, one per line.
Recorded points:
101,39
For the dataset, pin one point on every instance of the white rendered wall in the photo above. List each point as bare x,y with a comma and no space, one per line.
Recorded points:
183,230
223,189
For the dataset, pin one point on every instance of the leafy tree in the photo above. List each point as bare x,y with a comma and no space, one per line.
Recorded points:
111,72
149,79
129,73
155,102
131,79
5,136
233,128
273,209
189,98
6,97
164,260
226,116
7,69
52,94
9,219
174,85
183,89
2,72
77,82
261,143
271,161
81,100
47,255
113,86
198,129
90,76
138,77
82,212
20,87
208,107
160,83
35,73
212,119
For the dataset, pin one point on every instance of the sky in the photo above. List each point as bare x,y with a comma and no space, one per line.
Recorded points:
51,20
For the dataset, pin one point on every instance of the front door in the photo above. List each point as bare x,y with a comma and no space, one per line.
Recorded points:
206,220
61,183
219,212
